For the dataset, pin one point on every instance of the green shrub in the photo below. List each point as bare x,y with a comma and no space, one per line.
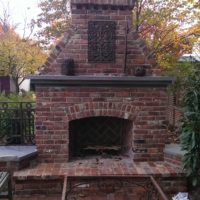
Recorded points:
14,97
190,132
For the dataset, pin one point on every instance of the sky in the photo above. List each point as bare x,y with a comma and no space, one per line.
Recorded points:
20,10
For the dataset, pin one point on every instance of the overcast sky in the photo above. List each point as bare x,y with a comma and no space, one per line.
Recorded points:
19,10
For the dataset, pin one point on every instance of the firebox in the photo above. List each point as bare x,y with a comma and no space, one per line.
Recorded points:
99,136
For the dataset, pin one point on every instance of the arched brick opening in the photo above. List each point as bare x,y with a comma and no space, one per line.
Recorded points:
100,128
95,109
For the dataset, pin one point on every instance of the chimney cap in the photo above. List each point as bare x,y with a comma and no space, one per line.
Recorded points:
126,3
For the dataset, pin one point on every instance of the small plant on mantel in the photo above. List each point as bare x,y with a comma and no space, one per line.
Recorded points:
190,132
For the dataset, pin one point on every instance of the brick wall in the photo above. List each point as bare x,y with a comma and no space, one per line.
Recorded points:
127,3
133,188
38,189
173,185
57,106
12,166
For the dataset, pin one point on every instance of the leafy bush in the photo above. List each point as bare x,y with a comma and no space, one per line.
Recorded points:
14,97
181,72
190,133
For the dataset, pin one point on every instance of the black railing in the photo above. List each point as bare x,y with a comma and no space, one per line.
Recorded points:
17,122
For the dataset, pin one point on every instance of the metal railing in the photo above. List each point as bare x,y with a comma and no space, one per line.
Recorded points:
17,122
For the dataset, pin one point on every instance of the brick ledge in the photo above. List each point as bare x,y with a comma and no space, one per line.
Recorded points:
88,168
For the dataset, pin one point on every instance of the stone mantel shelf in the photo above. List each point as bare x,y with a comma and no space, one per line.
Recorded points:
100,81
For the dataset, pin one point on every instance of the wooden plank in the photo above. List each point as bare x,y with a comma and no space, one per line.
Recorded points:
158,188
64,188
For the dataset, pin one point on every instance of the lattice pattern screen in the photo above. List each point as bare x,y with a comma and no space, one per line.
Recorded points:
95,134
101,41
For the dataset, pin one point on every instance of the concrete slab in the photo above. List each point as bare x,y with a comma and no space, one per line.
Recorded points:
16,153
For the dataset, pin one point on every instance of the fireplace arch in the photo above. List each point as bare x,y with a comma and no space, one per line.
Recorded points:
99,135
95,109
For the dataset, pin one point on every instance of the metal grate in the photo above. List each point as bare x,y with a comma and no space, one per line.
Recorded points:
101,41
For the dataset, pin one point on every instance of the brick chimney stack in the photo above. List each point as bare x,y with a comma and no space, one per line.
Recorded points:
115,3
102,41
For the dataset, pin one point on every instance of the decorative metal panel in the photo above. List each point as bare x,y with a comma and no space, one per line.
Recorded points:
101,41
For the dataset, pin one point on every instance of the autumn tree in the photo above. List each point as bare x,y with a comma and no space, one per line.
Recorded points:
19,57
169,28
53,20
162,24
196,3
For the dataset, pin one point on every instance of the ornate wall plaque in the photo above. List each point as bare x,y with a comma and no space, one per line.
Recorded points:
101,41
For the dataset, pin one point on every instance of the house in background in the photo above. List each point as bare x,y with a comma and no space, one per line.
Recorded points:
194,57
6,84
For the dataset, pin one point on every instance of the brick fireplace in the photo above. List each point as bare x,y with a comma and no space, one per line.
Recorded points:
123,114
101,108
91,98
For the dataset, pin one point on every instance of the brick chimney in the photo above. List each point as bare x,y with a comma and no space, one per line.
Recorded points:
101,41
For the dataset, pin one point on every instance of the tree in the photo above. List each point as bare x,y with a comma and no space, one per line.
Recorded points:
162,24
19,57
196,3
164,27
5,24
53,21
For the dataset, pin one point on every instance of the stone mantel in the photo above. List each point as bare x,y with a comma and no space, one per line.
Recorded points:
100,81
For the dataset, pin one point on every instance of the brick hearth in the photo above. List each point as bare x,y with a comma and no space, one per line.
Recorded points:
47,179
94,167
